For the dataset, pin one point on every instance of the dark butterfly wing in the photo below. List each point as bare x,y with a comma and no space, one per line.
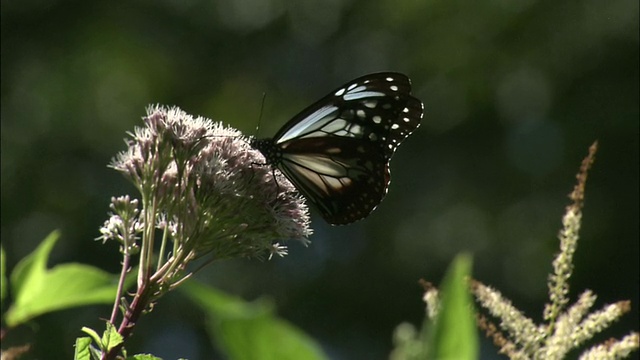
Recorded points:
337,151
345,180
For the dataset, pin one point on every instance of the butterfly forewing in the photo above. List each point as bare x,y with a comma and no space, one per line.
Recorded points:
337,151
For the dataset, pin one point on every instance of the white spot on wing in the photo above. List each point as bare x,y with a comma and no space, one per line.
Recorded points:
361,95
333,126
313,122
371,104
355,129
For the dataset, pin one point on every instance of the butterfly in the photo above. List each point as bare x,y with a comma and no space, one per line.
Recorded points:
336,152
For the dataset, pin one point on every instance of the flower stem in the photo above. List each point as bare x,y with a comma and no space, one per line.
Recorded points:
123,273
139,303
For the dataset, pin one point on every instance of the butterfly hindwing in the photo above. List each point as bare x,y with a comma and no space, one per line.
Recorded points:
336,152
334,174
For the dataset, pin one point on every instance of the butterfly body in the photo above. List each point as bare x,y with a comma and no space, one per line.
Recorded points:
336,152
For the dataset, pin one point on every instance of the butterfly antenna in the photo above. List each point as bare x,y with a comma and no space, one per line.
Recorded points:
264,96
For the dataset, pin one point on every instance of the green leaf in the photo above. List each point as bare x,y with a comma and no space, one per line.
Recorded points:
96,354
111,338
454,335
143,357
250,330
82,352
93,334
37,290
3,277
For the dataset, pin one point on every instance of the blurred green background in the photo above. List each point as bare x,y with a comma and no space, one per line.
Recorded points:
514,93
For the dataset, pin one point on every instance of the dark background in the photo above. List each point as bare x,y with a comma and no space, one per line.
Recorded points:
514,93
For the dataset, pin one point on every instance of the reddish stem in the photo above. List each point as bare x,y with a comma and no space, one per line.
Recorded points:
135,309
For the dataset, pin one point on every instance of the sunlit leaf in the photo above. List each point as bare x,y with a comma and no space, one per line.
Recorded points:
454,335
111,338
143,357
3,277
250,330
38,290
82,351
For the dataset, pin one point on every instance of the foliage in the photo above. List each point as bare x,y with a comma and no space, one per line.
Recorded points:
566,327
37,290
448,331
250,330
